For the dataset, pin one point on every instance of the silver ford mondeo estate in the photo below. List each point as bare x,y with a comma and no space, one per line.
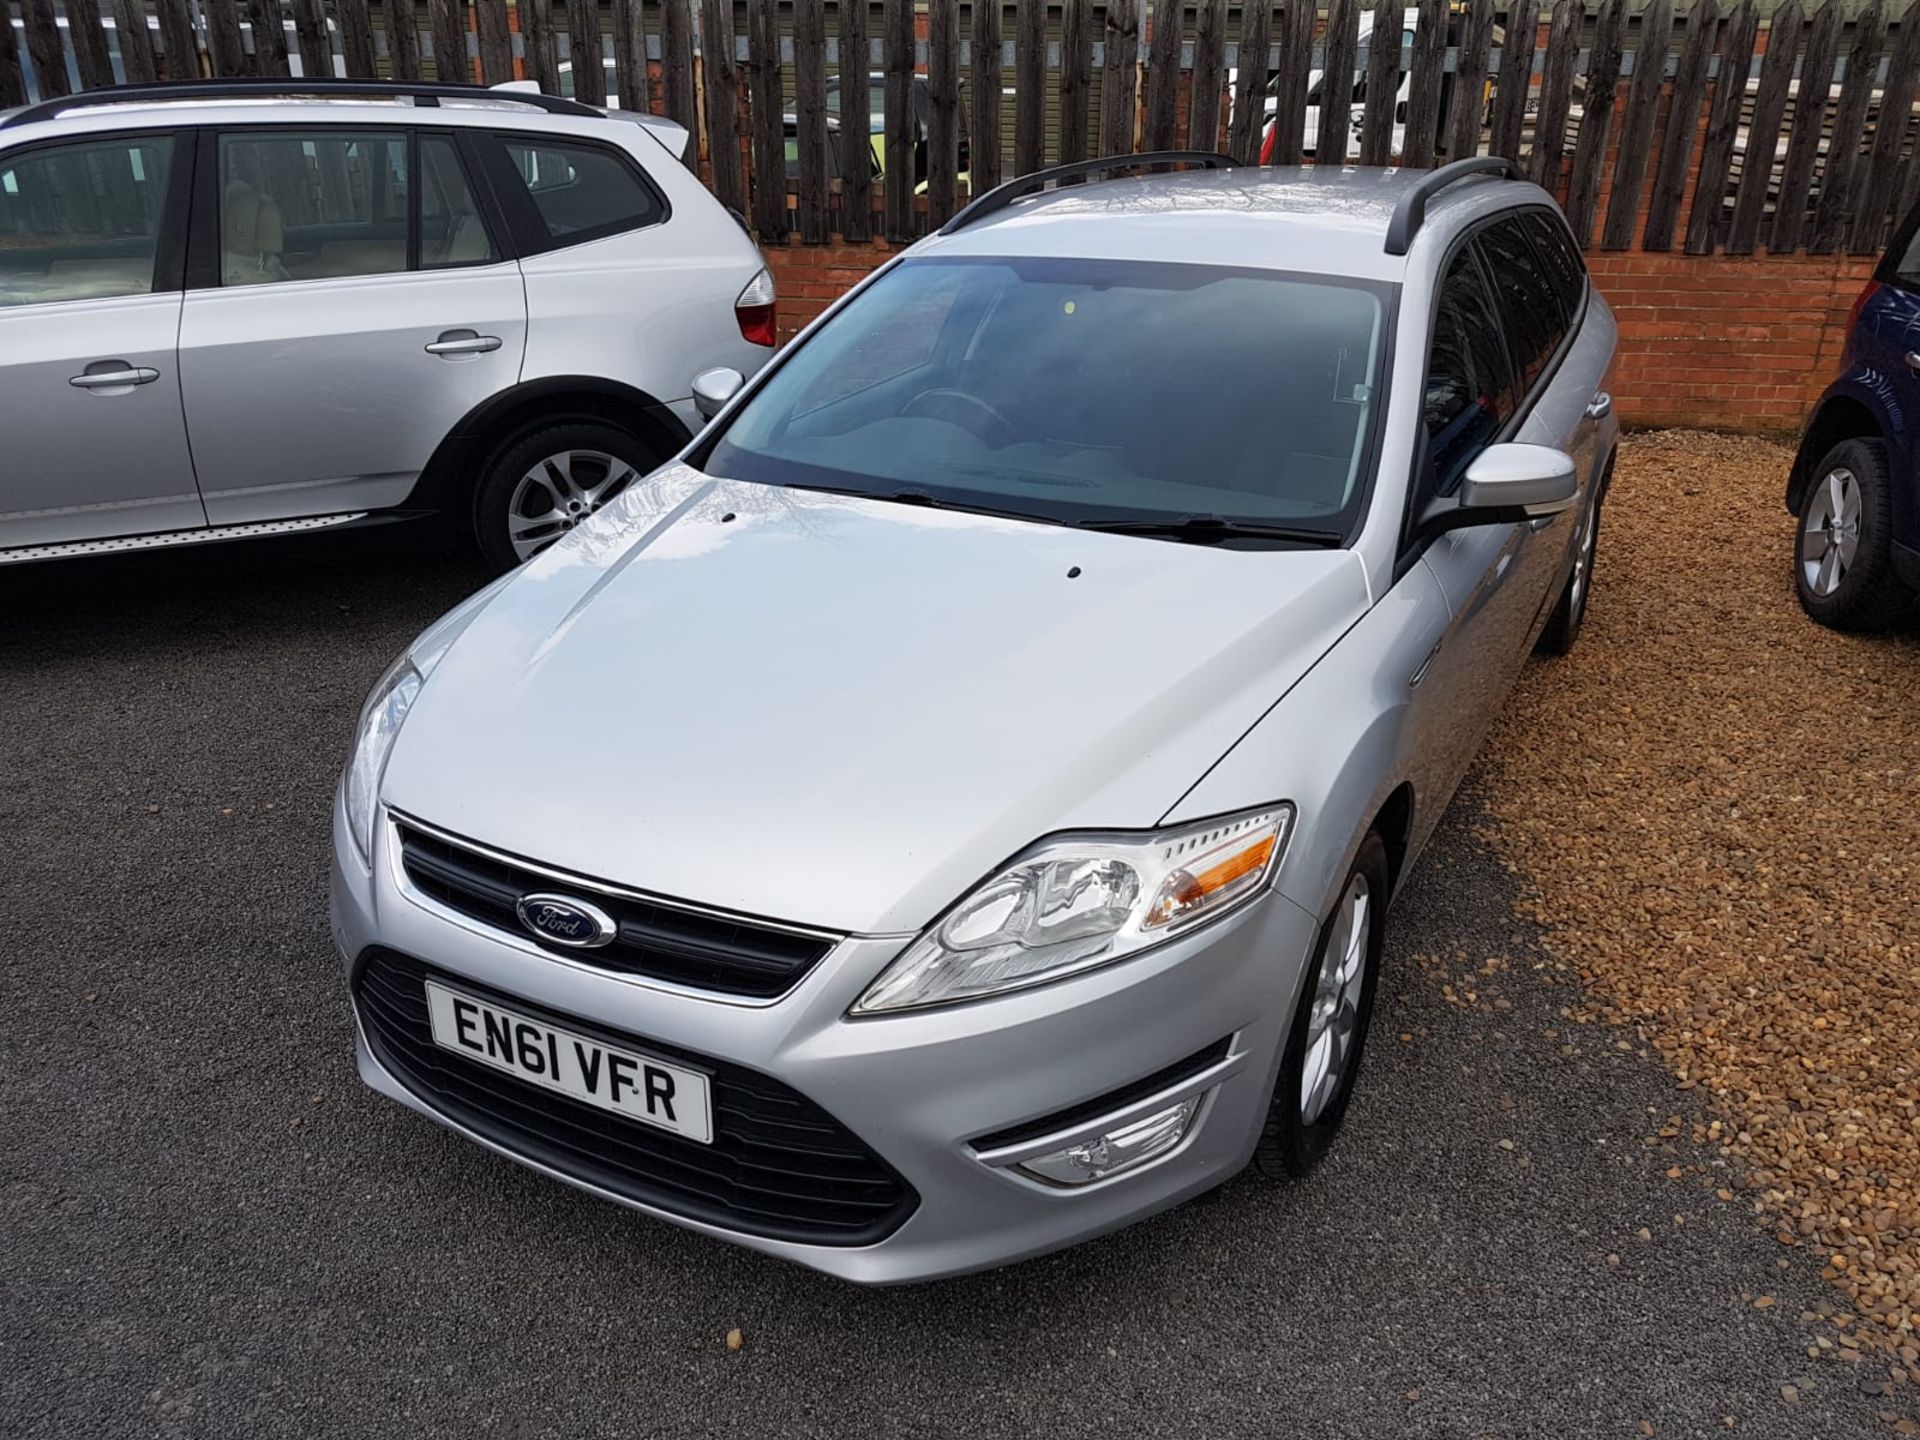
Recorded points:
951,810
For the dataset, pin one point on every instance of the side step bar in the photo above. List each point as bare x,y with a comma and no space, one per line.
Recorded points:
120,544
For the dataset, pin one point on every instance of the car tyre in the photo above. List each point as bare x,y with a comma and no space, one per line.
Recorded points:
1329,1029
1842,550
549,481
1563,626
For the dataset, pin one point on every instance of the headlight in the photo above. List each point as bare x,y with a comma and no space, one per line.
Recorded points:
380,719
1076,902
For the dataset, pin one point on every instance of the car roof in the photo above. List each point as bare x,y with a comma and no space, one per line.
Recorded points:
1316,219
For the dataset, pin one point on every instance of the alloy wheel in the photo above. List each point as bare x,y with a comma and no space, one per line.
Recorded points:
1830,534
558,493
1583,560
1335,1018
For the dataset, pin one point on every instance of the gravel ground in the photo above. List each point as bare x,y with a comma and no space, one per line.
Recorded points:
1734,861
211,1229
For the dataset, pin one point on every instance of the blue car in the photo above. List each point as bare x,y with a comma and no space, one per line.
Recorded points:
1855,488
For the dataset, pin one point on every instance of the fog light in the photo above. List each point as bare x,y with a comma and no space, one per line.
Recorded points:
1119,1149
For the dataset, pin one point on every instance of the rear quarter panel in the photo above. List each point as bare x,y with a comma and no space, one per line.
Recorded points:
651,308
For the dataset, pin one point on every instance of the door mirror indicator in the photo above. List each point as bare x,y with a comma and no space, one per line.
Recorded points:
712,389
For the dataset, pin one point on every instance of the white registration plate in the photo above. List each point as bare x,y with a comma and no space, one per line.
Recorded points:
638,1087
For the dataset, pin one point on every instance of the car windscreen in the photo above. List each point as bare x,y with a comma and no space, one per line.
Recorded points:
1081,390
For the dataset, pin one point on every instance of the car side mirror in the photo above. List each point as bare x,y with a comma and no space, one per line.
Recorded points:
712,389
1504,485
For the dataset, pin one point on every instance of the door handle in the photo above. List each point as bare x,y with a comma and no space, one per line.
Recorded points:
1913,359
463,342
1600,406
108,379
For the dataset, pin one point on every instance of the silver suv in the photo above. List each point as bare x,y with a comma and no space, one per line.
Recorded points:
230,310
1010,720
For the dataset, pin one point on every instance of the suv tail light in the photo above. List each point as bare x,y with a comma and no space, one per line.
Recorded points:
1871,289
755,310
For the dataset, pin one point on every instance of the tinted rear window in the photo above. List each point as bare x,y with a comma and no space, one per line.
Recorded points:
1557,252
582,192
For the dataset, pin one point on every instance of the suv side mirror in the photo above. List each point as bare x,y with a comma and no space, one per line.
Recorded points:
712,389
1504,485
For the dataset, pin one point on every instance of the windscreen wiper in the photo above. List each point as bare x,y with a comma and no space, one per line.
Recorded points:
1213,529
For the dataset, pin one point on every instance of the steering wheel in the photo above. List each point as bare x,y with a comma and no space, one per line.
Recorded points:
969,412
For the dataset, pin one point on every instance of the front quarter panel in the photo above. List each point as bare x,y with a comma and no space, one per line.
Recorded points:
1338,744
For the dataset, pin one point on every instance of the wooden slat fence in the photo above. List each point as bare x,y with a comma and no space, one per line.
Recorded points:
1660,124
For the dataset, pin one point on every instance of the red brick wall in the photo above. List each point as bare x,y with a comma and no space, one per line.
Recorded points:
1718,342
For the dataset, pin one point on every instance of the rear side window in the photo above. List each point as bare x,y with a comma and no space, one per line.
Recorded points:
1530,308
1556,250
1469,393
82,222
581,192
328,204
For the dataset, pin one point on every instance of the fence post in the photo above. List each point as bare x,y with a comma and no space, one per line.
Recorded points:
1683,121
13,81
943,121
1423,89
403,40
356,38
1763,130
984,153
90,54
583,50
269,38
856,142
902,127
136,44
721,73
1467,106
496,40
810,113
769,140
310,31
1809,114
1290,99
1878,195
1119,80
1383,84
1704,217
1603,93
536,43
1209,69
630,57
1636,130
1830,221
1167,25
446,22
1335,125
1029,86
1516,77
1556,89
676,63
1076,77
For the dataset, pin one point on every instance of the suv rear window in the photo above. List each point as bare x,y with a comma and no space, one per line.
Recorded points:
581,192
1082,390
1556,249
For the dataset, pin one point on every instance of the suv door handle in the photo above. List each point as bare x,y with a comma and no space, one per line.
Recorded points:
1600,406
463,342
127,374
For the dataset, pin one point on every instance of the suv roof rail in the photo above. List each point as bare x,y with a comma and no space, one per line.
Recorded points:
1412,209
420,92
1002,196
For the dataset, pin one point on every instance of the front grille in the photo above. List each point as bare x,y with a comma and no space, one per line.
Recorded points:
778,1166
695,948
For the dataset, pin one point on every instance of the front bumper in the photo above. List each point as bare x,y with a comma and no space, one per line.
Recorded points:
916,1087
